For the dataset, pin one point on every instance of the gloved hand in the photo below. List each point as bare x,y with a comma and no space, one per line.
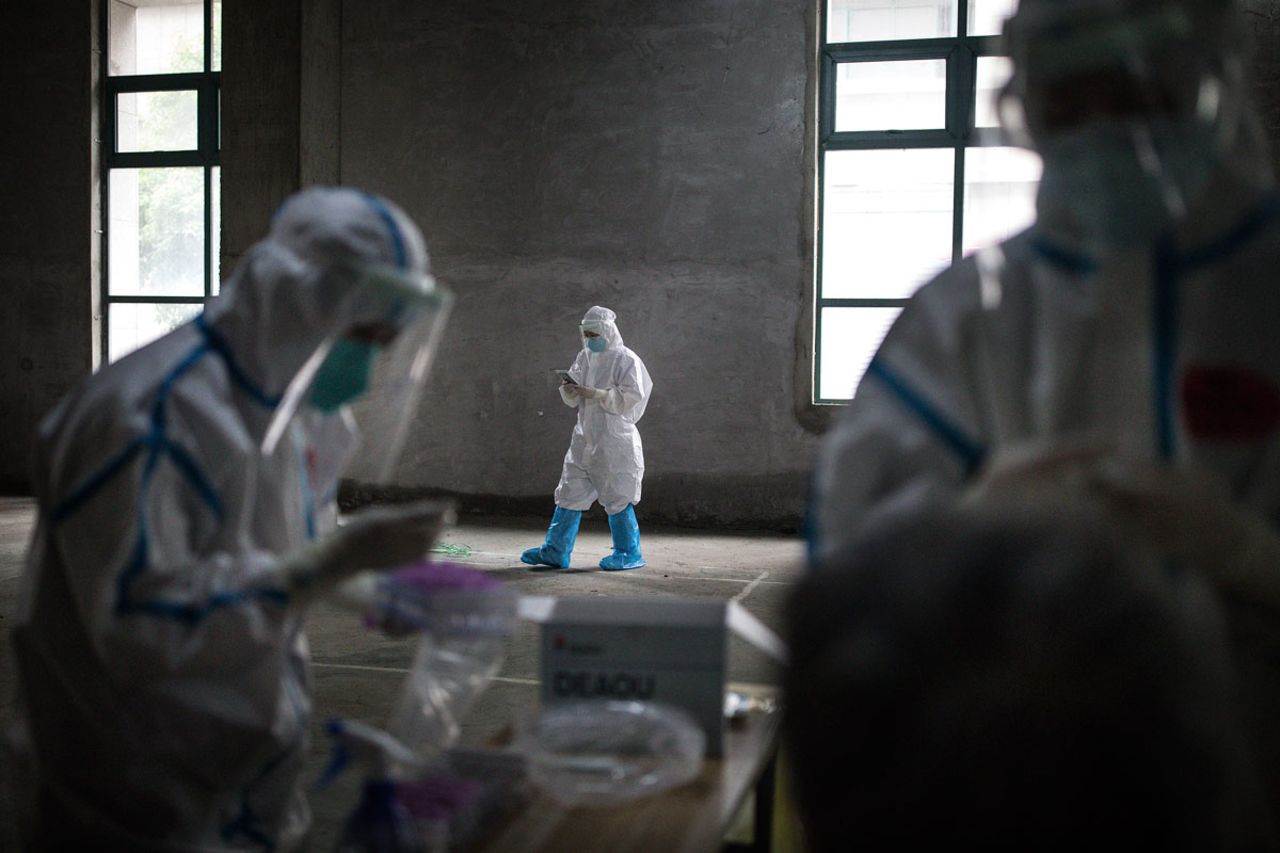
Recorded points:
1188,514
593,393
1044,469
1181,513
378,538
571,390
360,593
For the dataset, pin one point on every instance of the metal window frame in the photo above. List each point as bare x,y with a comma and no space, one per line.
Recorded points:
961,53
207,85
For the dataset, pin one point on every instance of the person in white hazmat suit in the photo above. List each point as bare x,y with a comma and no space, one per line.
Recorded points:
610,388
1123,349
164,677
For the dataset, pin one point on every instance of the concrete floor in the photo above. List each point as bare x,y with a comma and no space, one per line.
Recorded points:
358,673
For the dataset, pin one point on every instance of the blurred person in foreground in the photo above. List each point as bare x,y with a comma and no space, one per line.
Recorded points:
183,493
1004,679
1123,347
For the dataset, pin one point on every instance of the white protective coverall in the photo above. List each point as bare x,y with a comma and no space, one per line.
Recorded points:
165,685
605,460
1168,348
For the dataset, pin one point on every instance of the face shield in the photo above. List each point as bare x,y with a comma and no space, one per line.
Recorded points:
1130,106
381,358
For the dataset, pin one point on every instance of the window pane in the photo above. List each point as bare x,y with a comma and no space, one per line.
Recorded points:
993,73
986,17
156,232
850,337
886,221
215,220
132,326
875,20
157,121
217,35
999,194
891,95
158,38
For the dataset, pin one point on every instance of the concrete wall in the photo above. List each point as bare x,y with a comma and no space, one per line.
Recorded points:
645,156
261,130
48,204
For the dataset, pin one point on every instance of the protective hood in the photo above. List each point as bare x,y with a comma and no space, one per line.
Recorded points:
294,289
1141,112
602,320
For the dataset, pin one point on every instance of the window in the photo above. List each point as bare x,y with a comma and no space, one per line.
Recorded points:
160,182
913,171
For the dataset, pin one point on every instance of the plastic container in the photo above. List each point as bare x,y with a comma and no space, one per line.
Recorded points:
602,752
441,598
463,796
380,823
443,808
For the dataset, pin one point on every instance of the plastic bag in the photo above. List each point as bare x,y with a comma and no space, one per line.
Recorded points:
464,618
601,752
449,673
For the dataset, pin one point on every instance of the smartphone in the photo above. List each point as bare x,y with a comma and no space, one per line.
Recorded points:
564,376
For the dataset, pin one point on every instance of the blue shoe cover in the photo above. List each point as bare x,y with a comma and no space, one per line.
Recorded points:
558,548
626,542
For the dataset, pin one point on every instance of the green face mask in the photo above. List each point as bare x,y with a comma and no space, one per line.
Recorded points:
344,375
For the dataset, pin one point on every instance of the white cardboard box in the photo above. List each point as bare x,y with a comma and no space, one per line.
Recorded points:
666,650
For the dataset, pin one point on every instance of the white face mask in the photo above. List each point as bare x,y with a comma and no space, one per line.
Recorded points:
1123,184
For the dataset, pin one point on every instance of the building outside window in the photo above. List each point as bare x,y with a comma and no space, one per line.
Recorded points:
913,171
160,163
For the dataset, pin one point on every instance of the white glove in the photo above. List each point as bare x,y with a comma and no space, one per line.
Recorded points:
570,389
1048,470
1181,513
1188,514
379,538
593,393
360,594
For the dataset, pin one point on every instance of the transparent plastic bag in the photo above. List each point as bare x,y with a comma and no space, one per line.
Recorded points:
464,619
601,752
448,675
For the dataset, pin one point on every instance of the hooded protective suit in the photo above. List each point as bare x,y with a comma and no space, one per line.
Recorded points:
1159,348
605,460
1164,344
163,667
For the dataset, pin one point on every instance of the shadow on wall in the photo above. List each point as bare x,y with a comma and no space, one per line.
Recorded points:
773,502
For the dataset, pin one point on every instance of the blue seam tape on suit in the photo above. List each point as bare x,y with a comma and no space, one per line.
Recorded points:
970,452
397,241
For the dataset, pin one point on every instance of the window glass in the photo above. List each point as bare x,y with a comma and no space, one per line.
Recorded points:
217,35
891,95
886,221
850,337
132,325
877,20
156,232
992,73
215,226
999,194
158,38
986,17
157,121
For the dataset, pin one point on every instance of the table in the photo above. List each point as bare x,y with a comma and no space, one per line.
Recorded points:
688,819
